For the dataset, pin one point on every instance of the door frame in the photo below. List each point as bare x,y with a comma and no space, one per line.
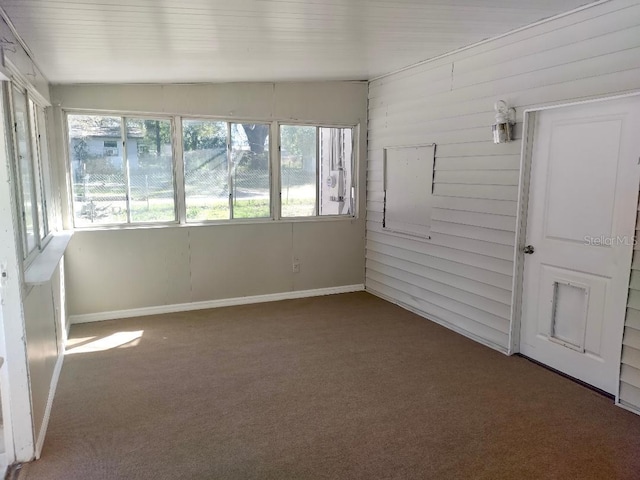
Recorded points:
526,155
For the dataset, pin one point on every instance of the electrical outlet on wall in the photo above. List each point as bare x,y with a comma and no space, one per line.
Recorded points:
296,265
4,274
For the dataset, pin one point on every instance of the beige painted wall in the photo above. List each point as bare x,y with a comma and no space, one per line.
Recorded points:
110,270
43,333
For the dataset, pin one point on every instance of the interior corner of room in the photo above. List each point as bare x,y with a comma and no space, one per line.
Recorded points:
429,174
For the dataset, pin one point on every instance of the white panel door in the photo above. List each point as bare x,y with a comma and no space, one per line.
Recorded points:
582,209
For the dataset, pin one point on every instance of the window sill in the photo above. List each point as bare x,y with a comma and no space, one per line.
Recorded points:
209,223
408,236
44,265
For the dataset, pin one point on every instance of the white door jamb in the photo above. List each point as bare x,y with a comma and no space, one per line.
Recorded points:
521,222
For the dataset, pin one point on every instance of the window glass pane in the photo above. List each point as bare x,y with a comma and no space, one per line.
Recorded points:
25,168
98,173
37,168
206,170
46,169
250,170
335,171
298,170
150,159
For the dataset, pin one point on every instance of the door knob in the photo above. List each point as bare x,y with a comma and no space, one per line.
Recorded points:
528,249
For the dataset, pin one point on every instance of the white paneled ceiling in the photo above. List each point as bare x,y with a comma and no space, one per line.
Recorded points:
255,40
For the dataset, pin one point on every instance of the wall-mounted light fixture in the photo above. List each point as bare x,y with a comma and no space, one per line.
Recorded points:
505,120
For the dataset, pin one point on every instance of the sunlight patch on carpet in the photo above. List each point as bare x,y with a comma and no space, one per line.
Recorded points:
115,340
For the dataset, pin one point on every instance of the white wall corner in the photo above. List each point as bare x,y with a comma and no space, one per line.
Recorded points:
47,412
500,348
627,406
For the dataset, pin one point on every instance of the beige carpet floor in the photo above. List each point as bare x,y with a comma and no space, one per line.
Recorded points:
339,387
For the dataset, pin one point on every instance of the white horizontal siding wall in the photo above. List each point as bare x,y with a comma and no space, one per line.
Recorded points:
462,277
630,368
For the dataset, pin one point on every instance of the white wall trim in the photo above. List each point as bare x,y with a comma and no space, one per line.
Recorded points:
47,411
625,405
441,322
225,302
600,98
526,154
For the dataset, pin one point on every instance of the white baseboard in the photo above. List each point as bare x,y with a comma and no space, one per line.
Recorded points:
225,302
47,411
628,407
439,321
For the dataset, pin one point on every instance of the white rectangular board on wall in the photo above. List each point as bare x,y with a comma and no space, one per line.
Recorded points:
408,188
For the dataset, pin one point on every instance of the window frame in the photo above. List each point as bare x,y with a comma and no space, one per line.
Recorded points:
125,160
172,128
179,172
105,148
230,179
50,181
353,194
36,142
27,255
41,179
232,176
180,120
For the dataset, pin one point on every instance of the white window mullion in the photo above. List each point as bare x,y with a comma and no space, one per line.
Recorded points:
125,160
178,170
34,174
230,170
354,172
47,174
36,158
317,171
275,172
44,185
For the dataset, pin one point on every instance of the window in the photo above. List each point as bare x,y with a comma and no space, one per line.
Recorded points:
40,143
250,171
110,148
150,169
31,169
25,170
143,149
114,181
316,171
206,170
125,170
226,170
98,180
38,166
